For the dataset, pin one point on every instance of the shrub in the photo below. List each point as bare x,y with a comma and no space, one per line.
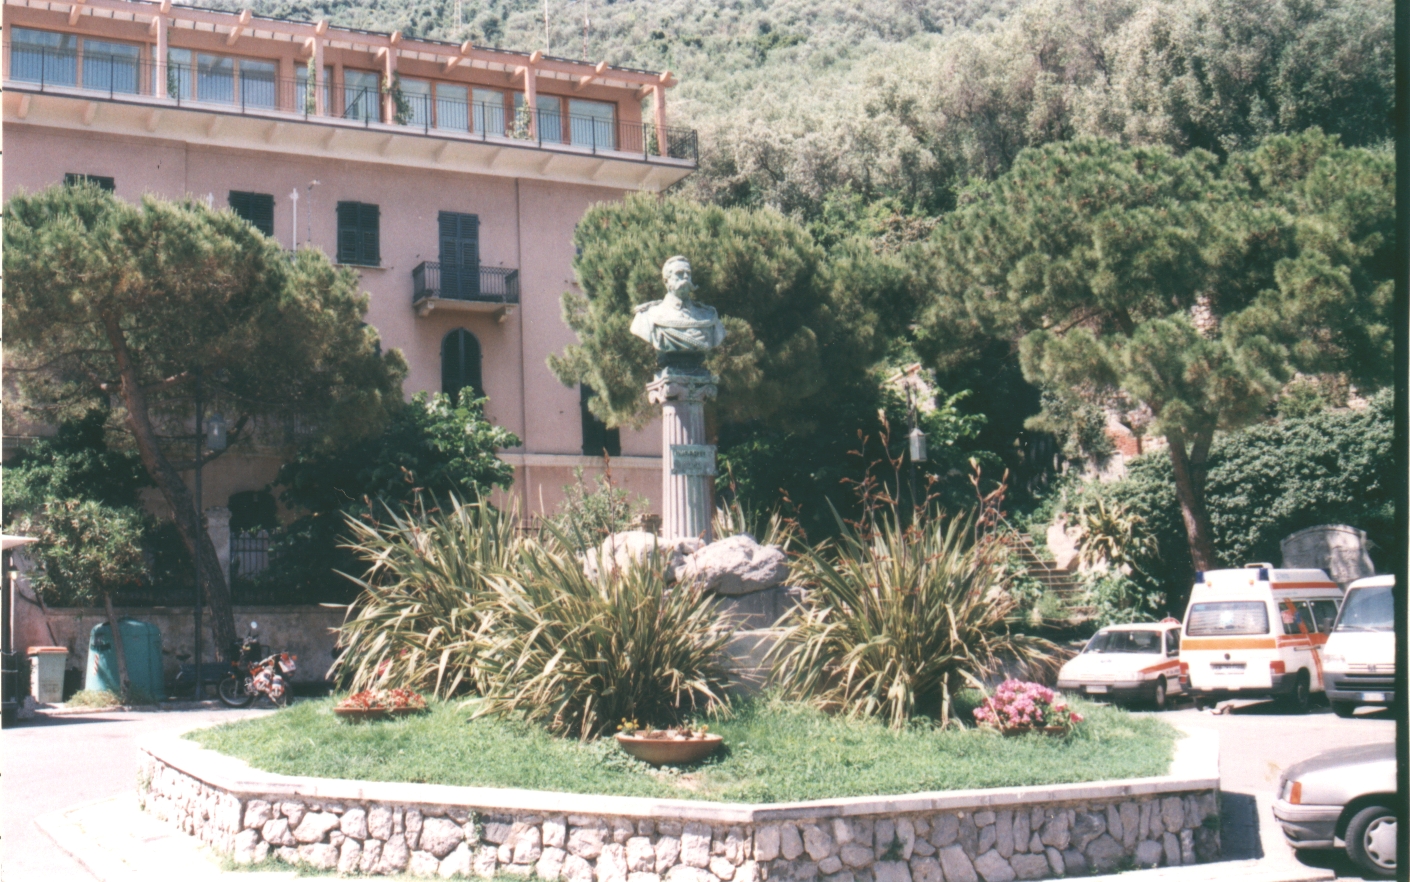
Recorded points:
1017,706
579,655
896,621
416,621
435,446
592,511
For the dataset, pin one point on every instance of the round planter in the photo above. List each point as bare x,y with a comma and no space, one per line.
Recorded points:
359,714
669,751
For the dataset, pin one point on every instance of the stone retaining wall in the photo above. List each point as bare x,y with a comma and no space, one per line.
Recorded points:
965,836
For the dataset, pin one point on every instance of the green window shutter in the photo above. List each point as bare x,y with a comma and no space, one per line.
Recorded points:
369,243
257,208
459,254
347,232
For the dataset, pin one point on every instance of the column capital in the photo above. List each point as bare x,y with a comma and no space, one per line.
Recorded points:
676,386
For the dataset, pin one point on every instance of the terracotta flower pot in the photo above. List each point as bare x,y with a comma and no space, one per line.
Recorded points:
669,751
359,714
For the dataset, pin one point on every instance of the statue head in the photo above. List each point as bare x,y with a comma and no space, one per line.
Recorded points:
676,272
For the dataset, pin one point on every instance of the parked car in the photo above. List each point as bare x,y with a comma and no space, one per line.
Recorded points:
1358,661
1126,662
1343,798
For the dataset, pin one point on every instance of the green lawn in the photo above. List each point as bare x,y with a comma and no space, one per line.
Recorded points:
774,752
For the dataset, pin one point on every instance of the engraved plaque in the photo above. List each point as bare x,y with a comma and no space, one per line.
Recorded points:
692,459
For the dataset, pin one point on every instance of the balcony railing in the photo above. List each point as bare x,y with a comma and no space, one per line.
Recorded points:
487,284
249,86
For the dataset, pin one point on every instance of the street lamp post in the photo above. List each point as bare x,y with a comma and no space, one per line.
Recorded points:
916,439
214,440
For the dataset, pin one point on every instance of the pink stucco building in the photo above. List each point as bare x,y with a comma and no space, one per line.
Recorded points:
454,193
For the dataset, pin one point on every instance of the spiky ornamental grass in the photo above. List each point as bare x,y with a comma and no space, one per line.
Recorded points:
581,655
897,620
418,622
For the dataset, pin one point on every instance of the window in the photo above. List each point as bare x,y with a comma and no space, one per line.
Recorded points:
310,104
358,234
1144,642
460,363
257,208
215,79
257,83
592,124
43,57
1172,642
416,95
488,116
180,74
1296,617
460,255
550,115
598,440
1227,617
360,95
103,183
1324,613
110,67
453,107
1368,608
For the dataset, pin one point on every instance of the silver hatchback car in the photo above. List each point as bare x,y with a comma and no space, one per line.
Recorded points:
1343,798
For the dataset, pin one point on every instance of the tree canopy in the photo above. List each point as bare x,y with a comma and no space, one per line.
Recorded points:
801,323
1172,289
144,304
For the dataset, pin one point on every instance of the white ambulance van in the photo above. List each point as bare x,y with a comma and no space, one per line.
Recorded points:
1258,632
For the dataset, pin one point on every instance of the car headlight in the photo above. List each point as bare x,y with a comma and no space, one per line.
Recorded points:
1292,792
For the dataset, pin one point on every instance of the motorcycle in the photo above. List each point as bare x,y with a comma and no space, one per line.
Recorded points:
254,674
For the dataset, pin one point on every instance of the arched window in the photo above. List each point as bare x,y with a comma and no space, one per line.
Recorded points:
460,363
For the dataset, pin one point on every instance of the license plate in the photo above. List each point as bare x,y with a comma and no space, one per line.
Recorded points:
1373,696
1098,690
1227,669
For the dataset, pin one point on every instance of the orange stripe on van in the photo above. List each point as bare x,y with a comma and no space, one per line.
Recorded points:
1279,585
1229,643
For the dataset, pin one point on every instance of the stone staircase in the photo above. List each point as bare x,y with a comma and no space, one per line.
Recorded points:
1061,583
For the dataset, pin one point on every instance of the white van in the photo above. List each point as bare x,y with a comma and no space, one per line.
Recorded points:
1258,632
1359,658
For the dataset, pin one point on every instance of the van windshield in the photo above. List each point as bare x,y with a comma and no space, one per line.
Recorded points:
1125,641
1370,608
1227,617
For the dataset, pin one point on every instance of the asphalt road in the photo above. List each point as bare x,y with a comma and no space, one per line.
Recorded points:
1257,741
53,763
60,762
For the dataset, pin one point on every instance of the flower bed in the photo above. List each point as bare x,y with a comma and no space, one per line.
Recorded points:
996,834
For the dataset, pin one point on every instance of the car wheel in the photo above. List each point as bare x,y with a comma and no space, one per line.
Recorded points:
1160,699
1370,840
1300,700
1344,708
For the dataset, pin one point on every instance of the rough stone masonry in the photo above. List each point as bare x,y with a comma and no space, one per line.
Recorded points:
832,845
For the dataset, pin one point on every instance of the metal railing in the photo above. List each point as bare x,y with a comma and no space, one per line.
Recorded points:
250,86
485,284
249,553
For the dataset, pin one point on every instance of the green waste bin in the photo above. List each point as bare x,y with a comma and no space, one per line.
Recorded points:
143,643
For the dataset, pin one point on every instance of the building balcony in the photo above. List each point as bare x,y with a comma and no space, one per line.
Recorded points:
487,289
133,94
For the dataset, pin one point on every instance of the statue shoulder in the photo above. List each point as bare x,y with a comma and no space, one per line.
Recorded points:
645,307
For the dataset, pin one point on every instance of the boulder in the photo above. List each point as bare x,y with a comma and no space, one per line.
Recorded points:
735,566
619,550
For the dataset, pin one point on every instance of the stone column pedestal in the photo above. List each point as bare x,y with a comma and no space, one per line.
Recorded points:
687,462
